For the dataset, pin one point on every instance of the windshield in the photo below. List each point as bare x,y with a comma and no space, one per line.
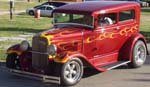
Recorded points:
74,19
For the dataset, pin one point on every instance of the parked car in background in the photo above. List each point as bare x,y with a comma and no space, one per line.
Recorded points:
45,10
55,4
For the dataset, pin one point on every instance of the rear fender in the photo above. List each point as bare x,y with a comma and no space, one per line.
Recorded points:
126,50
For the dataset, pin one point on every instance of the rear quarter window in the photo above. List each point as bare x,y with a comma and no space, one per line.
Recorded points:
126,15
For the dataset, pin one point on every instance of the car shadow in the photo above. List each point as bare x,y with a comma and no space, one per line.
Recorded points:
147,62
88,72
7,78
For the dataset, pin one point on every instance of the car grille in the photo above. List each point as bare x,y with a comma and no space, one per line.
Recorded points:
39,60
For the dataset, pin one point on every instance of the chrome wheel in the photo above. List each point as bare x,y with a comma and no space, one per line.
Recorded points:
139,54
72,72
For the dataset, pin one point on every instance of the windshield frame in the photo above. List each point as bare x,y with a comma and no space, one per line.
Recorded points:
78,24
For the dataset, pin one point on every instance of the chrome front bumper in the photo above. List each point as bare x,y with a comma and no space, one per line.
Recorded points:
41,77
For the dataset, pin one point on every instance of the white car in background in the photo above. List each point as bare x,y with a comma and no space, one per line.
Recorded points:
45,10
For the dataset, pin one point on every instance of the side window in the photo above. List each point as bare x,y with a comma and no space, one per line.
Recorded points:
41,8
126,15
49,8
107,19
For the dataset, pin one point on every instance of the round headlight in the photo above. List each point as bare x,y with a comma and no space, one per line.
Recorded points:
24,45
51,49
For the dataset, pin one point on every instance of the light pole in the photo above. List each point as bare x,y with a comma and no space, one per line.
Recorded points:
11,8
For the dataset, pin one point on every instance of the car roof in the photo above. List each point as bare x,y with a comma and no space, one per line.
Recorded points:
90,7
55,2
46,6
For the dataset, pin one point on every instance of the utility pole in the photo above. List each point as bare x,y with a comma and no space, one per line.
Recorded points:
11,8
39,1
28,0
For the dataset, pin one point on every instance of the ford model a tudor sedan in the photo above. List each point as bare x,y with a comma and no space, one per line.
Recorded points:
102,35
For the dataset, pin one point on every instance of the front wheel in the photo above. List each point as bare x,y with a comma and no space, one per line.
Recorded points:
139,54
12,61
72,72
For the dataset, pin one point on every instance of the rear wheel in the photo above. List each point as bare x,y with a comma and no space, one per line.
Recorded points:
72,72
139,54
12,61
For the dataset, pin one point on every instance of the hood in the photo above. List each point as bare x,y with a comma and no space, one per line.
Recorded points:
69,38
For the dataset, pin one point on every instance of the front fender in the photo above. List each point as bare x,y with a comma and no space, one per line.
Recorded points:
14,49
126,50
66,56
70,55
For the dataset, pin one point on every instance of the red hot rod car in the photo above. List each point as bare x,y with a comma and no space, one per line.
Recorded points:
102,35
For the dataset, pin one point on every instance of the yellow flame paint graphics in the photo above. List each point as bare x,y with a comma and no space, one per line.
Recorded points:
111,35
48,37
61,60
65,32
65,58
60,43
14,51
57,32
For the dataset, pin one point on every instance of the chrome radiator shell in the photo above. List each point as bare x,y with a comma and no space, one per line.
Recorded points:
39,44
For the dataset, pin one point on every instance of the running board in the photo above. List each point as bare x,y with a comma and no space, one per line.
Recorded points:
41,77
115,65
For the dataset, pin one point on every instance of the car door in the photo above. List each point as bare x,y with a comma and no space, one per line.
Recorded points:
107,40
128,25
48,11
42,10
